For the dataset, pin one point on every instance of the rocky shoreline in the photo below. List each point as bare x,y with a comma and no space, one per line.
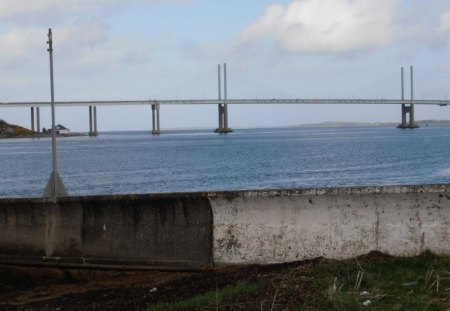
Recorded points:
42,135
16,131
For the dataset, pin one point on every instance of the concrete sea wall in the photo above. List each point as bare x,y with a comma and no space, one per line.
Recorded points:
199,230
279,226
160,231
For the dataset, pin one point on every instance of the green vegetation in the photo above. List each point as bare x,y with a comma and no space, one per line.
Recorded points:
372,282
10,130
396,284
211,299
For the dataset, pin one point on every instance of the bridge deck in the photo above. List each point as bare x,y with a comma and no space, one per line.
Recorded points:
231,102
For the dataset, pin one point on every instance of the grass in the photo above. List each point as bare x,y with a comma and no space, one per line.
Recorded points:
386,284
212,298
374,282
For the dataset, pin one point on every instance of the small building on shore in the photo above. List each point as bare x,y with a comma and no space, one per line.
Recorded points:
59,129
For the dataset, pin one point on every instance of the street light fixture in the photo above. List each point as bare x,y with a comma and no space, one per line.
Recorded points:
55,186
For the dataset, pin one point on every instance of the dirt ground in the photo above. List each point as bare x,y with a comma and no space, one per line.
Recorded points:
286,287
39,289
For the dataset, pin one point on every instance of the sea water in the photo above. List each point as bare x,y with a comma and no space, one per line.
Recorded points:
187,161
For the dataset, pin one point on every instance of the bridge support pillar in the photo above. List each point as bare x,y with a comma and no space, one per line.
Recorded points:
93,121
408,124
223,108
35,120
32,119
153,119
38,120
220,128
156,130
407,109
90,120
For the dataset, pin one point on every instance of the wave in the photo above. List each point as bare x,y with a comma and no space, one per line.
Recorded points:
444,172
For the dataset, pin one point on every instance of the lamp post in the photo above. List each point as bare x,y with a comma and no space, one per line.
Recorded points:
55,187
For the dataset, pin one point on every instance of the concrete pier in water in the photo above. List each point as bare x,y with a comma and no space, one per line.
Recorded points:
407,110
93,121
35,119
156,130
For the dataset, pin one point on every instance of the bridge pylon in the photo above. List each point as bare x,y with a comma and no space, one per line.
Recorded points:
407,109
223,107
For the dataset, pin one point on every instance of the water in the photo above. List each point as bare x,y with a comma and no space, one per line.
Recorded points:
137,162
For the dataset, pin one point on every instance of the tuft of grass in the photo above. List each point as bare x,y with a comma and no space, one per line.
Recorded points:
388,284
372,282
212,298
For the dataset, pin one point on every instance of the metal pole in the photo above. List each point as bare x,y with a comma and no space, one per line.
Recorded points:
55,186
52,94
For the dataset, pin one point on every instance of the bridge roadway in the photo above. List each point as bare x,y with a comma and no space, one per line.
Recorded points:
299,101
407,108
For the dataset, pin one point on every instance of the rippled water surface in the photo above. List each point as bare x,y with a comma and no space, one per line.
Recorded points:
137,162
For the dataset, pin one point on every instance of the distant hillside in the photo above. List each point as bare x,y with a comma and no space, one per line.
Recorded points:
11,130
421,123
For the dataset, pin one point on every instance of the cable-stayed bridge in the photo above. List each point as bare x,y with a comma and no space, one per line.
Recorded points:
407,105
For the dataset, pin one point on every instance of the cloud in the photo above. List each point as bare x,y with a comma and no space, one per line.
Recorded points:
18,45
324,26
84,44
45,12
444,27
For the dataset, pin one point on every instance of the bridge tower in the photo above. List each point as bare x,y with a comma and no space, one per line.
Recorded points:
407,109
223,107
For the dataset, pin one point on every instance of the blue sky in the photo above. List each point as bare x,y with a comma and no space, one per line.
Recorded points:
169,49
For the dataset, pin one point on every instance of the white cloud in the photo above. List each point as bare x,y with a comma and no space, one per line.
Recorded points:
49,12
18,45
445,23
81,45
324,26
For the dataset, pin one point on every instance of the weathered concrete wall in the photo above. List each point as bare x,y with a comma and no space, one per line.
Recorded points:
278,226
159,230
199,229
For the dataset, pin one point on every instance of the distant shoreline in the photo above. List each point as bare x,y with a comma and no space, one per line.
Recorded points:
40,135
421,123
329,124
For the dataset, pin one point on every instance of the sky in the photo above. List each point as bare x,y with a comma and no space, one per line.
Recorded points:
170,49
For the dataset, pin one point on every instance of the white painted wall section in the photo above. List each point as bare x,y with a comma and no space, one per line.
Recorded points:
280,226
